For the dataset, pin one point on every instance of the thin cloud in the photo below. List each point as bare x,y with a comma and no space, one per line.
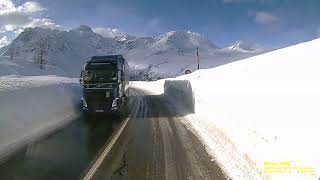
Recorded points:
9,11
15,18
264,18
43,23
31,7
108,32
8,7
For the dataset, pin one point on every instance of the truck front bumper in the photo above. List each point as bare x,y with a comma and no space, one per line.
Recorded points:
101,107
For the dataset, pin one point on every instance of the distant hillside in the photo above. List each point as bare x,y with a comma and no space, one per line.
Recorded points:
168,55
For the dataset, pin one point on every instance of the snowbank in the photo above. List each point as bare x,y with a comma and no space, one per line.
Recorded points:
259,117
26,67
183,93
33,106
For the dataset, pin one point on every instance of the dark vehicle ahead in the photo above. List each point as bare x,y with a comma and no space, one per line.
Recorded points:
105,81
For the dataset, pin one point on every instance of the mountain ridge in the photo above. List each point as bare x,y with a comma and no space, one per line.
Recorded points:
168,55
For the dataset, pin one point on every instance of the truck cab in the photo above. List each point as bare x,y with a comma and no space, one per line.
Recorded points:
105,81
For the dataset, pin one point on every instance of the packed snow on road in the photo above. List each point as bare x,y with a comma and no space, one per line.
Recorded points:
258,117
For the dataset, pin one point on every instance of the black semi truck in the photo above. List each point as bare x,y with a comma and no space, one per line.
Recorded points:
105,81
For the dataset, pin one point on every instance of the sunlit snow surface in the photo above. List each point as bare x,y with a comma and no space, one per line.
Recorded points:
13,82
168,55
31,107
259,111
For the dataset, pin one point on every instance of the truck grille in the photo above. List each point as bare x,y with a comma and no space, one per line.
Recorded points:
97,95
99,86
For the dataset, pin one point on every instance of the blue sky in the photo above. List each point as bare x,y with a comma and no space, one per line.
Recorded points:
271,23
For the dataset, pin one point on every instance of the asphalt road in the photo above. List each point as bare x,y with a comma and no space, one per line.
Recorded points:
156,145
62,155
153,145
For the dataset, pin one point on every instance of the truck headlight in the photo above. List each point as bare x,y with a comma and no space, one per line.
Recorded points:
87,76
115,102
84,103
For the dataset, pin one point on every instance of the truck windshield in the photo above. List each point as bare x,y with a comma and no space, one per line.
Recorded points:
99,75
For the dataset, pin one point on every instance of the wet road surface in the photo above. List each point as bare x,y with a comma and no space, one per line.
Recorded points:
64,155
156,145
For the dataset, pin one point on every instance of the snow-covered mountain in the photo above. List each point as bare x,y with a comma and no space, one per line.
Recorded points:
245,46
165,56
3,49
185,41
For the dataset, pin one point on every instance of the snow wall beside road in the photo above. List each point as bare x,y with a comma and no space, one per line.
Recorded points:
38,106
194,101
180,92
259,117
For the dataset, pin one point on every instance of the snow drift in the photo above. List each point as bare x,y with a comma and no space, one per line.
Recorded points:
259,117
32,107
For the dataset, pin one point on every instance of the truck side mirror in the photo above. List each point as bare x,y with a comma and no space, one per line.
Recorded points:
81,78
